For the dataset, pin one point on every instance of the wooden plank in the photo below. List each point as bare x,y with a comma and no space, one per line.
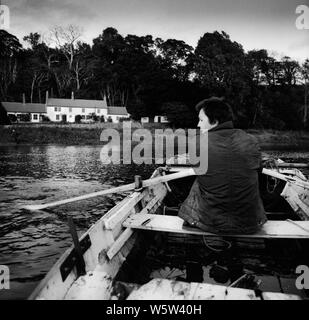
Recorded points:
128,232
293,179
279,296
271,229
116,216
118,244
294,172
295,197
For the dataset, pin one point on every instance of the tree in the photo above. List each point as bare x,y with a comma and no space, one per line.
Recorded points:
108,69
9,53
272,71
220,67
66,39
305,78
33,39
4,118
289,71
257,62
175,56
179,114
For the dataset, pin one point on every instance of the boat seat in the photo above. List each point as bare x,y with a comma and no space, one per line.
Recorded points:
165,223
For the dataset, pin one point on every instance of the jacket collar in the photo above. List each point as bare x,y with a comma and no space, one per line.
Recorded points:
222,126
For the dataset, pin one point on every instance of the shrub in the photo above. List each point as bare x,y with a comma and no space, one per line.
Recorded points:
78,118
25,117
12,117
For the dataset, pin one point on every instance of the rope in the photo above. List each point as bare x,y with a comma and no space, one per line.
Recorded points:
271,163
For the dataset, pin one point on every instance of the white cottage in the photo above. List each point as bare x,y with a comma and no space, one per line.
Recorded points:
67,110
36,111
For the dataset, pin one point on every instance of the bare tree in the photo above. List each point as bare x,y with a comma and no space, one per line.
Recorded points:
305,78
66,38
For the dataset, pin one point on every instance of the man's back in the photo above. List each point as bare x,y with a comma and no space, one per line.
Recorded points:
230,199
226,198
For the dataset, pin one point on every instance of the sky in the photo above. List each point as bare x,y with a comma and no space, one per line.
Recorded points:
255,24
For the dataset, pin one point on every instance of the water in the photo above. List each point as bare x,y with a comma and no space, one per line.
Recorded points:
31,242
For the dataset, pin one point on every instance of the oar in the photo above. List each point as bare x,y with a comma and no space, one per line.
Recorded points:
293,165
286,178
127,187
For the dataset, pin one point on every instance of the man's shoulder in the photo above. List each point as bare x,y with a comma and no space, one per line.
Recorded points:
246,135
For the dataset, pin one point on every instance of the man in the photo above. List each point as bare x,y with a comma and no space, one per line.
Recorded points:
226,199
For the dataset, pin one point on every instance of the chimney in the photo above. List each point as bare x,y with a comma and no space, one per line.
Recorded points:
72,97
46,99
24,99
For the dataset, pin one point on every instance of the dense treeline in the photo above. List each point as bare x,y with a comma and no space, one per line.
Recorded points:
152,76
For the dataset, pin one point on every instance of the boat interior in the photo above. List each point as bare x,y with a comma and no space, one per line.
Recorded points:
141,250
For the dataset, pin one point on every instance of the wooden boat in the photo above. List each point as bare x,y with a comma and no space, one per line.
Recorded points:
90,269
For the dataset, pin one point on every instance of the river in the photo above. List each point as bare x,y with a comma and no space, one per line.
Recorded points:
31,242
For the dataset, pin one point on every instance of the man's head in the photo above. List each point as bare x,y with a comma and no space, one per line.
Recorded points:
212,112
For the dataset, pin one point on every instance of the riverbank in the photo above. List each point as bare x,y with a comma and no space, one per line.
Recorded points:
89,134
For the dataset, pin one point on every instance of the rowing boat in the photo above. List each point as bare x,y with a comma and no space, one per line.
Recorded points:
97,264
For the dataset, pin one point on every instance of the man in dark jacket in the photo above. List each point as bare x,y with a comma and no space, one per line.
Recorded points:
226,198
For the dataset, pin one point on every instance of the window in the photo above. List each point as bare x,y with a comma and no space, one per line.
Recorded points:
35,117
98,110
57,109
70,109
83,109
57,117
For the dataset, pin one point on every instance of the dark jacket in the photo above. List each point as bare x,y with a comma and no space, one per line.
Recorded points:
226,199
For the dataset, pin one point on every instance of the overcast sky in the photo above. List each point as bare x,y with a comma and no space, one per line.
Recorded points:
256,24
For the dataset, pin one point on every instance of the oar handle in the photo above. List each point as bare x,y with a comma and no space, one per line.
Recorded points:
286,178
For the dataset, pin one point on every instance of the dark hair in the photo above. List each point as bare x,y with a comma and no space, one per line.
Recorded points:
216,109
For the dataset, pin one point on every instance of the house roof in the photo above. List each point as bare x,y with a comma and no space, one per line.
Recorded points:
26,108
76,103
118,111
